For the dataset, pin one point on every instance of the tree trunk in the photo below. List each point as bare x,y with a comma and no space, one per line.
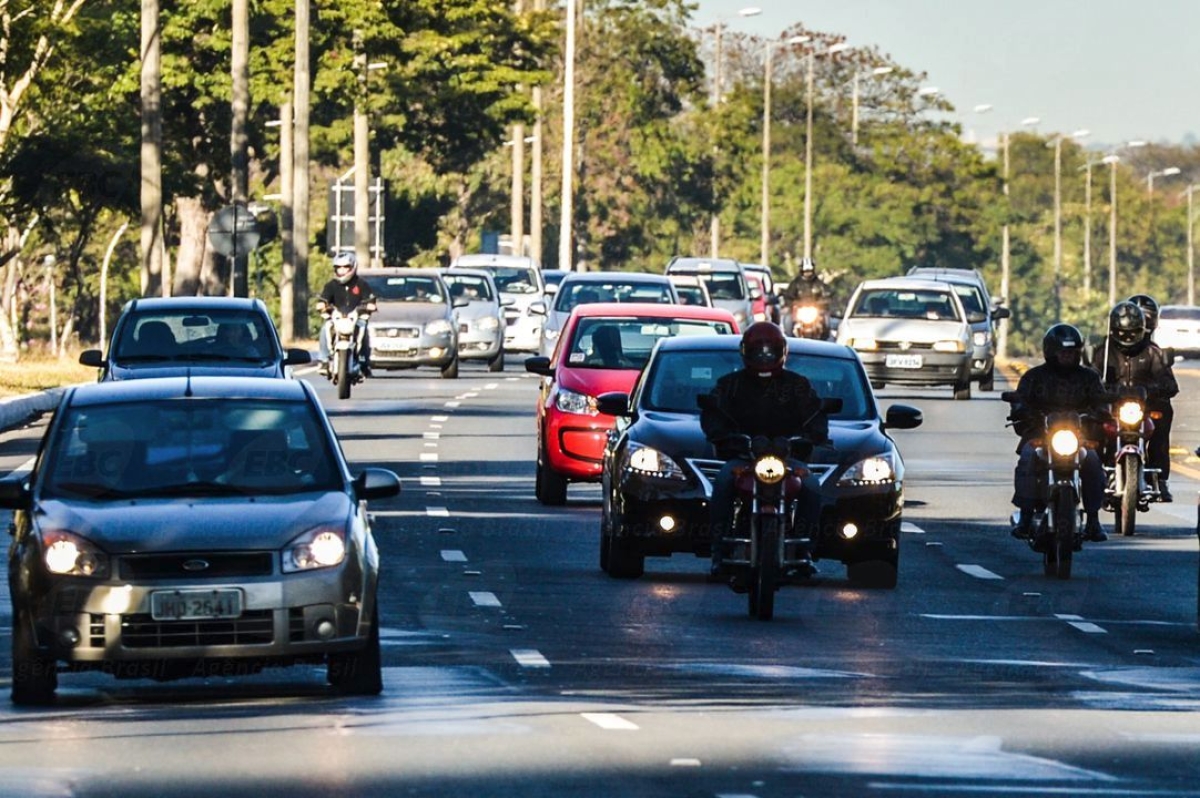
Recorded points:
192,266
152,245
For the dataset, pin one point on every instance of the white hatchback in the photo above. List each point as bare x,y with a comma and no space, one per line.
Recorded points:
1179,329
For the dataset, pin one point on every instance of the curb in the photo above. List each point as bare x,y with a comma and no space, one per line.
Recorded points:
16,410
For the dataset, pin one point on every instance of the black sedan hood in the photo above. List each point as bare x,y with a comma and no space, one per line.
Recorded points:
679,435
162,525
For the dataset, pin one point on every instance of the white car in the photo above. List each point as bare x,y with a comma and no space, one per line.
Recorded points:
1179,329
518,277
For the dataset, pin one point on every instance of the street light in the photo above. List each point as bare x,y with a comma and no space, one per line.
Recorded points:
1170,171
808,145
765,218
1112,159
876,72
1006,241
1191,257
718,88
1057,144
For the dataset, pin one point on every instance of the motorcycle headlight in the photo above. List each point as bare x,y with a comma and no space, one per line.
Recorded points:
1064,442
769,469
807,314
1130,413
438,327
650,462
569,401
319,547
488,323
68,554
877,469
949,346
344,325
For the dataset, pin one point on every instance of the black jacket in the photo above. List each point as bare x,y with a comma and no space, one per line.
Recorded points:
347,296
801,289
1145,365
744,403
1046,389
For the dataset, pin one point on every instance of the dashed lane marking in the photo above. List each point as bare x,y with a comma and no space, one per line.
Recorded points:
1079,623
483,598
529,658
453,555
608,721
978,571
431,482
437,512
429,457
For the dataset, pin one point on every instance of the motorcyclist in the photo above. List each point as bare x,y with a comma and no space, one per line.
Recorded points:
806,286
1059,384
1131,358
762,398
346,292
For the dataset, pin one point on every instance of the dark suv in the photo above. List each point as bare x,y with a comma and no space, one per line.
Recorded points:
170,336
982,314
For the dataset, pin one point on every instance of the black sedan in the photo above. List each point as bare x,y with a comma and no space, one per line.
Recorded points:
182,527
658,467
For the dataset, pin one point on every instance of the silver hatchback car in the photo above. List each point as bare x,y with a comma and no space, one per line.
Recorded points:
481,321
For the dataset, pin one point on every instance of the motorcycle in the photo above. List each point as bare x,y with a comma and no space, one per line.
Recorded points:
345,344
810,321
769,546
1131,486
1058,528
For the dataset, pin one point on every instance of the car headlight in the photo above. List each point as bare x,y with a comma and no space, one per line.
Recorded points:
488,323
980,338
549,334
1130,414
573,402
319,547
68,554
949,346
1064,442
863,344
650,462
438,327
878,469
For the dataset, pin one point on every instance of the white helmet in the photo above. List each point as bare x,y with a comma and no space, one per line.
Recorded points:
345,265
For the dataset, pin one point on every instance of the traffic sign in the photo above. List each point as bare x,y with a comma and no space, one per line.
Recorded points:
234,231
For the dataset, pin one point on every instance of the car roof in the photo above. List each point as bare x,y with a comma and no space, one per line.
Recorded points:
949,275
654,310
468,272
199,387
399,270
488,259
796,346
705,264
613,277
166,303
925,283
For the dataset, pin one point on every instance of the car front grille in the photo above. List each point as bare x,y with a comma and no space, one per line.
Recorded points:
903,346
396,332
199,565
254,627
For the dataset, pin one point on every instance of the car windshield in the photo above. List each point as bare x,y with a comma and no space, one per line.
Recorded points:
580,292
183,334
723,285
511,280
188,447
469,286
1169,313
605,343
678,378
408,288
906,303
972,300
691,295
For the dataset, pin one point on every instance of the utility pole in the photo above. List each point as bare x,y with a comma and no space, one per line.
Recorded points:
566,241
302,98
287,277
154,281
535,177
362,156
239,278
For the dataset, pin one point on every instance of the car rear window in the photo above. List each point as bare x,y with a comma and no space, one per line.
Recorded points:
468,286
678,378
189,335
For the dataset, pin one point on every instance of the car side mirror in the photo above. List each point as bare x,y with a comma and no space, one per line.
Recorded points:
903,417
538,308
459,302
376,483
92,357
297,357
539,365
507,302
1000,313
14,492
755,292
613,403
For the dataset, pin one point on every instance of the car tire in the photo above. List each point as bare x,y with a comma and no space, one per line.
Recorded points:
549,487
625,561
359,672
497,363
34,676
877,385
988,381
450,370
962,391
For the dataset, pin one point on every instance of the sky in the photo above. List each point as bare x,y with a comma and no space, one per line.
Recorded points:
1121,70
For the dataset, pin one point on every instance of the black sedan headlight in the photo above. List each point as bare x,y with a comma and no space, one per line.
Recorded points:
650,462
320,547
68,554
878,469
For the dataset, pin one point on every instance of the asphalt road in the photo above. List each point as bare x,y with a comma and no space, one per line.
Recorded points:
515,667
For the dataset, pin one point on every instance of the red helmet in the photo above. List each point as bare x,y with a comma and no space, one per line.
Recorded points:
764,349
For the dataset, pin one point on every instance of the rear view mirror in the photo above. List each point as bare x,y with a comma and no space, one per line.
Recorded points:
197,321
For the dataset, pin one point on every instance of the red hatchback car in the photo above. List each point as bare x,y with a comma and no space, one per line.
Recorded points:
602,348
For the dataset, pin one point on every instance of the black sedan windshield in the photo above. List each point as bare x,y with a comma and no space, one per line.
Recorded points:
186,447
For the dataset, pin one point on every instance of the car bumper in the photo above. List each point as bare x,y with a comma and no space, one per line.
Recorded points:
936,368
479,345
576,444
298,618
523,334
411,352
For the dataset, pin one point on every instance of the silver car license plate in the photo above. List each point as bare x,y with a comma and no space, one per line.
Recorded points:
190,605
903,361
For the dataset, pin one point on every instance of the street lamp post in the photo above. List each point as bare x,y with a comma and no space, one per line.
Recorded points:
765,218
808,144
876,72
1170,171
1006,240
1191,248
1112,159
1058,140
567,211
718,90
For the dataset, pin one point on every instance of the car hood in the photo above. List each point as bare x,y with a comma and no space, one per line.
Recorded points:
139,371
925,331
162,525
478,310
679,436
593,382
407,313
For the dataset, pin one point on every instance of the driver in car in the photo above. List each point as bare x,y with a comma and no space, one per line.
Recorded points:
762,398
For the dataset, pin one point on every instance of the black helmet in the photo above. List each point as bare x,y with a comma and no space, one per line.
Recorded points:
1149,309
1060,338
1127,325
764,349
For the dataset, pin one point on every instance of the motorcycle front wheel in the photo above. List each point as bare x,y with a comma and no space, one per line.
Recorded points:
1064,523
343,374
1126,515
764,572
